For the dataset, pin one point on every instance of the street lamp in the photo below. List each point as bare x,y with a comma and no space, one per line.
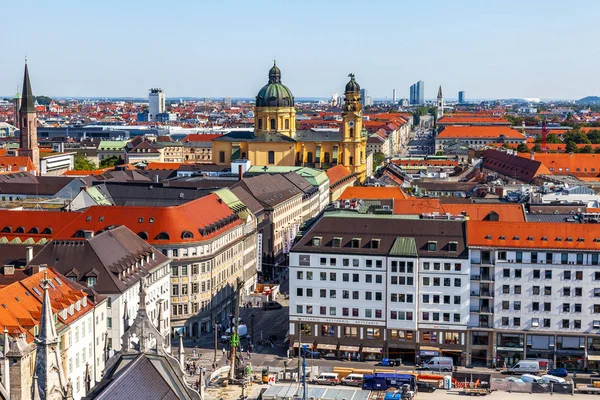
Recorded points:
252,322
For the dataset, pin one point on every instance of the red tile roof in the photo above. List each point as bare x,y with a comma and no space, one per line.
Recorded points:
427,163
16,163
540,235
22,302
337,174
163,166
472,120
479,132
372,192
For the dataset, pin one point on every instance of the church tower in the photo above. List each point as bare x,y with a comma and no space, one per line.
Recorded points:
16,109
48,377
28,124
440,103
354,140
274,111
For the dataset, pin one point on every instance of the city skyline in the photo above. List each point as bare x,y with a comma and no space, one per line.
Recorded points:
208,50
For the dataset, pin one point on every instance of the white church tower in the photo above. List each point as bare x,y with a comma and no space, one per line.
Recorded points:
440,103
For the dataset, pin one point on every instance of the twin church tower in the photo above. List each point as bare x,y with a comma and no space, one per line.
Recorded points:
276,141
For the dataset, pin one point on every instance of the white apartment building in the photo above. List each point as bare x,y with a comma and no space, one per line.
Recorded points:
357,281
537,285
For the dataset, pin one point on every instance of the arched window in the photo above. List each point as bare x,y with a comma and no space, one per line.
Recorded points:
143,235
287,123
7,229
243,155
352,132
221,156
273,125
162,236
351,161
260,123
20,230
187,235
79,234
34,230
47,231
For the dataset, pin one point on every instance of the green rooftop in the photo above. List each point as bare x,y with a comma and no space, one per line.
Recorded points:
112,144
314,176
404,247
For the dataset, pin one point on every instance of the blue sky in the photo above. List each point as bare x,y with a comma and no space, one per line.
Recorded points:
509,48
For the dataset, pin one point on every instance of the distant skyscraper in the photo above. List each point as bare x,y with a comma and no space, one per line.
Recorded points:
156,104
417,93
363,97
227,101
461,97
334,99
394,96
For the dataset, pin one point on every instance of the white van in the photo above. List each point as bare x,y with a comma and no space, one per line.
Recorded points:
525,367
327,378
353,380
439,364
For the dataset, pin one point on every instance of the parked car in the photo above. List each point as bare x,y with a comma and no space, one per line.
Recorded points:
327,378
425,387
439,364
553,379
272,305
525,367
561,372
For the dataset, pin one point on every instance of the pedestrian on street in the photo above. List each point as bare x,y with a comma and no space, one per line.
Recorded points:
223,351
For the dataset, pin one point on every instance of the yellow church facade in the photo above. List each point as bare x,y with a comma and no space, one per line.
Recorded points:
275,140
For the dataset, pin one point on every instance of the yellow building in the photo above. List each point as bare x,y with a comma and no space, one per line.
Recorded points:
275,140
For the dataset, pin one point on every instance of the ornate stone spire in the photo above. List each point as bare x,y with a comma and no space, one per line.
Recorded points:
49,382
27,101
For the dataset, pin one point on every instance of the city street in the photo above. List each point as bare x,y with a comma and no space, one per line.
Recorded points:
421,142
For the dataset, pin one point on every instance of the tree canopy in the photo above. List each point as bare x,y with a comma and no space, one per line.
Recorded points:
83,164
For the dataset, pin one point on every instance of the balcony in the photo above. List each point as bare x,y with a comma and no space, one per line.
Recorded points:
482,293
483,278
482,310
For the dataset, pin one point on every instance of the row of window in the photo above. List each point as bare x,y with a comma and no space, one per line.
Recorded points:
435,316
549,257
436,266
428,281
439,299
333,277
346,311
546,322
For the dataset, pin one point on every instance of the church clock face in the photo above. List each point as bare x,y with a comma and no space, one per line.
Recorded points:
351,124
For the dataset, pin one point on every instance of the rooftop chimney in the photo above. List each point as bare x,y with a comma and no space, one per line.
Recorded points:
37,268
532,155
240,172
8,270
29,254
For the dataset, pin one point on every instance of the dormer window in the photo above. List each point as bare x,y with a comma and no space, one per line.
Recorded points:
581,240
431,246
336,242
316,242
544,238
530,238
488,237
559,239
452,246
517,238
569,239
355,243
375,243
91,281
502,237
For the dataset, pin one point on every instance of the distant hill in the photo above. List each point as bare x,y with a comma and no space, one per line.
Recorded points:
589,100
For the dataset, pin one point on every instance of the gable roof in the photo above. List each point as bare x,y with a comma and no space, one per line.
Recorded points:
118,258
269,189
337,174
568,164
515,167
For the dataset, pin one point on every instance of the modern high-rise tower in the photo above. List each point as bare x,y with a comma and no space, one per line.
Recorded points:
156,104
461,97
394,96
417,93
28,143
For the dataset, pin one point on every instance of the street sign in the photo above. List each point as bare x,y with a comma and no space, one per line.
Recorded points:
271,380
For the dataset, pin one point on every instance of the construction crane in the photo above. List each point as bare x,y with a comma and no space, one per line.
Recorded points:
544,136
305,352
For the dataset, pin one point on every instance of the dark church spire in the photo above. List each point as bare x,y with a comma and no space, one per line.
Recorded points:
27,102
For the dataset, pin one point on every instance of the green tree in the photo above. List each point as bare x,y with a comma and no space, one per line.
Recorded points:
597,151
522,148
537,148
43,100
82,163
577,137
439,153
586,149
110,162
506,145
378,159
571,147
594,136
552,138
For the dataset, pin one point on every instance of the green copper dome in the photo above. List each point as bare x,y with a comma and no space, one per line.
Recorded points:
274,94
352,86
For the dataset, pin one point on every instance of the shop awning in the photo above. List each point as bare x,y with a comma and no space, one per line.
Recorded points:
324,346
593,357
451,350
349,348
372,349
429,348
